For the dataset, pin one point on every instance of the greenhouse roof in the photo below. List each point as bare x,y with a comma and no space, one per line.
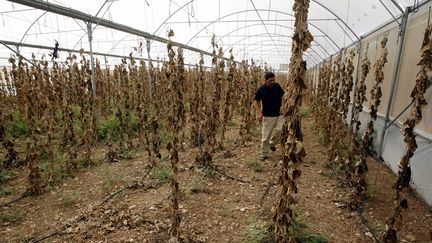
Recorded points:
254,29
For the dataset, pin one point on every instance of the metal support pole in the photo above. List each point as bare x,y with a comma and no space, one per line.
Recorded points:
90,37
150,69
401,39
106,62
72,13
92,79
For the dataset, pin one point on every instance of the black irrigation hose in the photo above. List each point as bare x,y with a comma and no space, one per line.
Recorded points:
81,218
132,186
228,176
266,193
24,195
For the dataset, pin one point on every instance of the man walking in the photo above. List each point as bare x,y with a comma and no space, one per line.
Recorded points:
270,94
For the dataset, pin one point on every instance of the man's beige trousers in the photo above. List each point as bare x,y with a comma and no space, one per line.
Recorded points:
271,131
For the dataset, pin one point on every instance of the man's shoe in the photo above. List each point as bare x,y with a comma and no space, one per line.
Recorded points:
273,148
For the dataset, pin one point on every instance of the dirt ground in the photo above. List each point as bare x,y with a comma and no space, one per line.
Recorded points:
214,207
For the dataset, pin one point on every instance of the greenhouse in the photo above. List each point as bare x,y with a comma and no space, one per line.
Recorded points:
216,121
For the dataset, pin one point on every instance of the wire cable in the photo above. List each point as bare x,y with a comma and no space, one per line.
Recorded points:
41,69
346,20
265,27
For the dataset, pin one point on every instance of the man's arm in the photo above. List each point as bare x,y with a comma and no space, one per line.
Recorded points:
282,110
282,94
257,105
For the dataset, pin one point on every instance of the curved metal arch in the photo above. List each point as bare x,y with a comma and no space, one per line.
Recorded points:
247,26
122,39
264,34
309,57
308,54
265,10
330,11
265,55
257,35
31,25
283,41
118,42
28,29
285,44
171,16
279,40
269,24
86,32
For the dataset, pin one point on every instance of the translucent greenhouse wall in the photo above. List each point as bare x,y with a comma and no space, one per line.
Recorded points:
393,145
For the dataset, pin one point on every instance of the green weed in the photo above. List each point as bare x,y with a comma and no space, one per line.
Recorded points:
162,173
304,111
300,233
10,215
256,165
5,191
17,127
108,128
5,175
323,137
255,230
69,199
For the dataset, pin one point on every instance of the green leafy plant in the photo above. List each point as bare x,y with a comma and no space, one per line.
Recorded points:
256,165
10,215
301,234
5,175
17,127
255,230
323,137
4,191
109,128
69,199
162,173
305,111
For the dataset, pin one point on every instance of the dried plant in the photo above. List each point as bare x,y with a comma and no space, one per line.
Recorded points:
155,108
322,110
341,131
142,110
217,77
34,109
360,95
86,110
423,81
359,99
175,125
6,140
181,90
228,95
204,158
347,85
293,150
68,139
245,127
49,122
334,118
195,101
249,80
360,185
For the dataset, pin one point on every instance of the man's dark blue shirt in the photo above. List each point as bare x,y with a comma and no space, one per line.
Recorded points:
271,99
